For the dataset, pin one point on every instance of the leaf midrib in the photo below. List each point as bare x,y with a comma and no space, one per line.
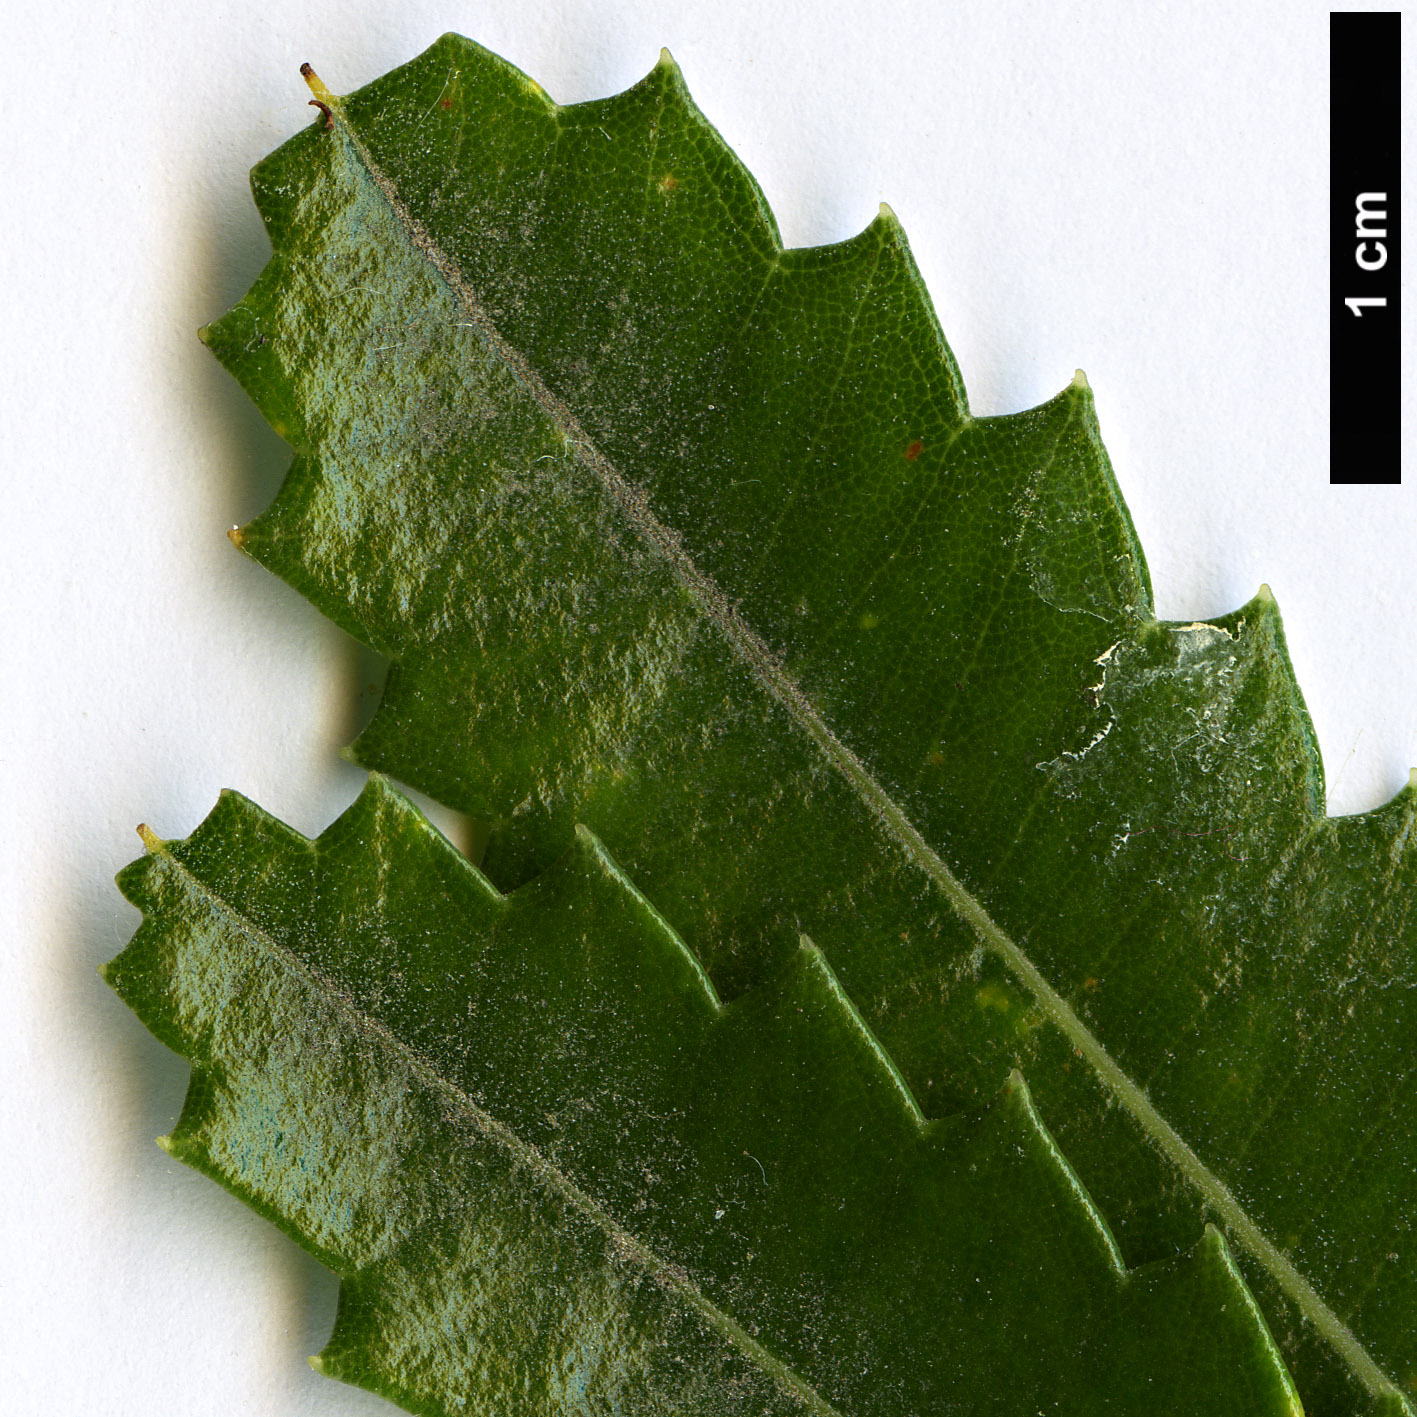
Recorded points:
623,1243
767,669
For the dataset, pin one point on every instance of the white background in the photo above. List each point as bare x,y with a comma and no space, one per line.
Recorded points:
1137,189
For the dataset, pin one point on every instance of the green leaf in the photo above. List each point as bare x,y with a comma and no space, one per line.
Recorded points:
692,539
555,1174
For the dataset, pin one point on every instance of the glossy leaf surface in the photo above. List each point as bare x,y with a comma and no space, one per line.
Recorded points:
692,539
556,1175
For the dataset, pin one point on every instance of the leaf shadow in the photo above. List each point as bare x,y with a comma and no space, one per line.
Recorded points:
176,1228
229,254
163,1227
228,251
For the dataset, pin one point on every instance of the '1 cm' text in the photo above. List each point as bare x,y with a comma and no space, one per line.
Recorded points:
1371,253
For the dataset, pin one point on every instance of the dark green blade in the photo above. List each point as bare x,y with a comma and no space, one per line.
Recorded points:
693,539
556,1175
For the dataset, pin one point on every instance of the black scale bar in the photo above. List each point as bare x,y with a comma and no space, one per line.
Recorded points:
1365,251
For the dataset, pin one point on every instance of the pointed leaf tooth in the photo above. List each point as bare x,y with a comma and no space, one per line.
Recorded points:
1236,1346
588,856
1282,711
1099,1246
133,882
252,342
346,1355
806,998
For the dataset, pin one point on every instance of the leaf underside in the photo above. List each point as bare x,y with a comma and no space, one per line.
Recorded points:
556,1175
677,534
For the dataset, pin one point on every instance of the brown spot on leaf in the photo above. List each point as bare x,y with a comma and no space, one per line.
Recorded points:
668,182
445,103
